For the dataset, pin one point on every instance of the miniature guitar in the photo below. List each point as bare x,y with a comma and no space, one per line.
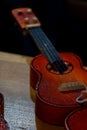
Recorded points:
77,120
58,78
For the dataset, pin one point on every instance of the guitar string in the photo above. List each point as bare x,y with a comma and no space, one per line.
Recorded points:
38,36
51,52
59,62
40,43
45,49
50,47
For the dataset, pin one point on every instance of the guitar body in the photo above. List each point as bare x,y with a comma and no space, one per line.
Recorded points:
77,120
52,106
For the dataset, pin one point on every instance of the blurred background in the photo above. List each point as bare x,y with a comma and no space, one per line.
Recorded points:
63,21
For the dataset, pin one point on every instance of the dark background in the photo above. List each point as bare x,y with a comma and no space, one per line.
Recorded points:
64,22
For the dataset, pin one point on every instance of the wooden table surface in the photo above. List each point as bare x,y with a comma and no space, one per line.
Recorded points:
15,86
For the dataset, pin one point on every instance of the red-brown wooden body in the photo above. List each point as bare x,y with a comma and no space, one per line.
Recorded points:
53,106
3,124
77,120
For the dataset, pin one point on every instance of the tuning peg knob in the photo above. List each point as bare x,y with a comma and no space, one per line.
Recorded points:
29,10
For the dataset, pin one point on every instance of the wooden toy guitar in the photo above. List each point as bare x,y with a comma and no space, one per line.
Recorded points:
77,120
58,78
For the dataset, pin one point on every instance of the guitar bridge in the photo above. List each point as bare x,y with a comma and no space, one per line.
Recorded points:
71,86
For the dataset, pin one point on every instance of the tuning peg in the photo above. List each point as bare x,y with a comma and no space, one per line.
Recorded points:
29,10
35,19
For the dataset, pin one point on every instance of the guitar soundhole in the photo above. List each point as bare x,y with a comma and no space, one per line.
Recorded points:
52,70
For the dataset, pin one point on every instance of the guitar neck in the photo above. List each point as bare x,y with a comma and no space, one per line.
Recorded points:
47,48
27,20
44,44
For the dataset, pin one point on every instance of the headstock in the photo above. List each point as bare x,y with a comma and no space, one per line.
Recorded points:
25,17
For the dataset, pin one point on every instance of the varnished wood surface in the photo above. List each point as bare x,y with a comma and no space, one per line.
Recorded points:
71,120
9,60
